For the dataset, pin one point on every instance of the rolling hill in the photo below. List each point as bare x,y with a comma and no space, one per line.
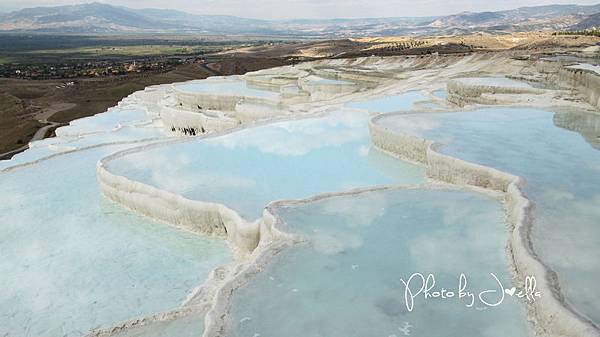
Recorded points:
103,18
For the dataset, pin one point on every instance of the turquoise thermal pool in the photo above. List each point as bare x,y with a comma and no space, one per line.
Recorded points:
225,86
28,156
390,103
343,279
123,134
442,94
563,179
72,261
113,119
284,160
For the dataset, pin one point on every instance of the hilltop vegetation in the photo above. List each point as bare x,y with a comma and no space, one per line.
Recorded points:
587,32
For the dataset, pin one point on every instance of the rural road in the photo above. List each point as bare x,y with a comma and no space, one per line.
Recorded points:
40,134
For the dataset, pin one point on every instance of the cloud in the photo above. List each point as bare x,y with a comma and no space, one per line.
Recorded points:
184,182
357,211
300,137
167,171
411,124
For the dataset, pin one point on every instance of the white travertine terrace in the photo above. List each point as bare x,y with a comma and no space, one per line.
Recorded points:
196,216
298,90
219,103
585,66
255,96
587,82
582,79
192,123
587,125
197,107
486,90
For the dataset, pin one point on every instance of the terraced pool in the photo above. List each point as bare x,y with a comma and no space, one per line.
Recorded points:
73,261
344,279
563,179
294,159
225,86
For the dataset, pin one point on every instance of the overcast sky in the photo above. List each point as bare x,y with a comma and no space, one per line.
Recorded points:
286,9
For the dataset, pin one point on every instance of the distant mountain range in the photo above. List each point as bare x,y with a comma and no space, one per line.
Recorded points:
103,18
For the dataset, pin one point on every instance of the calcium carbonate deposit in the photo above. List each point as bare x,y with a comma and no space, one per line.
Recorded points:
313,200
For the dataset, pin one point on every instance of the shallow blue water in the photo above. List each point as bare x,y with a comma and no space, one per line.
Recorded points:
389,103
72,261
563,179
443,94
344,280
105,121
248,169
27,156
236,87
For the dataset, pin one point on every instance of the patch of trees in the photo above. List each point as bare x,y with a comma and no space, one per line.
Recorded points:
585,32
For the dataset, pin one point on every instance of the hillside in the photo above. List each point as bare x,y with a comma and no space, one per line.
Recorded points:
93,17
592,21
